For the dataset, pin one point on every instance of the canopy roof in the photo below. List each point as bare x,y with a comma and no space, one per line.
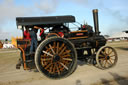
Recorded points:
46,20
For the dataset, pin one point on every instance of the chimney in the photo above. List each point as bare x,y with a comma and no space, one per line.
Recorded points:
95,18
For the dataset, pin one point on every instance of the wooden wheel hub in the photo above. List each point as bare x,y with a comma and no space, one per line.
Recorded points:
56,58
108,57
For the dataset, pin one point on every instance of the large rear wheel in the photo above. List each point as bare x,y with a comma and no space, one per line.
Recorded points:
56,57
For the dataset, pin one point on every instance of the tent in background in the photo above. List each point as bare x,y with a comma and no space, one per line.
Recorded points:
119,36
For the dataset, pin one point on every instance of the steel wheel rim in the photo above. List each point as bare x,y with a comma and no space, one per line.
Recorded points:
106,57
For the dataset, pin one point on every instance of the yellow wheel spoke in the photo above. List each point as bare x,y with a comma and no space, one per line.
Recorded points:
110,52
42,63
48,53
112,55
68,59
101,56
103,53
110,61
102,62
105,63
111,58
51,49
45,52
64,66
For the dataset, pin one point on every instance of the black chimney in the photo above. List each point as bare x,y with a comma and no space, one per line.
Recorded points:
95,18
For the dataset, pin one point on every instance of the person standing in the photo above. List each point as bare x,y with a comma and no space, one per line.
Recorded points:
42,35
33,40
27,34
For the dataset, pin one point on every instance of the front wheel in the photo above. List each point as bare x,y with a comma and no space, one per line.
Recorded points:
106,57
56,58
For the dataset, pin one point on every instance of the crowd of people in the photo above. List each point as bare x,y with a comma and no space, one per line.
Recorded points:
31,34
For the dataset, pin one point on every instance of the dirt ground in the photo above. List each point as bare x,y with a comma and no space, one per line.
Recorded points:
84,74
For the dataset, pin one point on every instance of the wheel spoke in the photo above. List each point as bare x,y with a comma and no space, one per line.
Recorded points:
51,49
102,59
105,63
54,67
101,56
110,52
47,59
66,52
111,58
109,64
48,66
103,53
102,62
50,70
46,47
48,53
57,48
64,66
54,46
110,61
62,50
68,59
57,69
43,56
68,55
112,55
61,46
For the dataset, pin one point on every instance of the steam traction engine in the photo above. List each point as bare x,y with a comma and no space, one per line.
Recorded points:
56,56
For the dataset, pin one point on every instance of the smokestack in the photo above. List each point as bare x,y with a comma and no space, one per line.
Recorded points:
95,18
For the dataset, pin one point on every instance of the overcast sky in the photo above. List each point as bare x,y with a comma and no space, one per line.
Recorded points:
113,14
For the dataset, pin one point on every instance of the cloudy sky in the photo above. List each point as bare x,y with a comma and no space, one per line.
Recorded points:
113,14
